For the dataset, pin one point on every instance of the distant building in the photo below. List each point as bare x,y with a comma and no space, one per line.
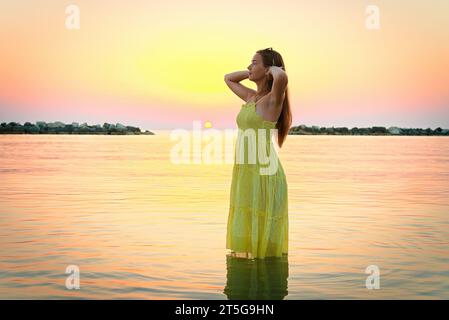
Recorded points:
56,124
394,130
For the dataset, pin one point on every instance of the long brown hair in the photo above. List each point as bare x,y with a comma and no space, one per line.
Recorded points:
271,57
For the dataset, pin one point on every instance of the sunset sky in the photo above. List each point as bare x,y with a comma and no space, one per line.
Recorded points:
160,64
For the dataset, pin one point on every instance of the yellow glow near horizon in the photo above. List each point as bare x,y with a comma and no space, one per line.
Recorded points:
165,61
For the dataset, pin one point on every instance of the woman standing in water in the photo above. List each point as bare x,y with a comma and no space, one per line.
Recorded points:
258,212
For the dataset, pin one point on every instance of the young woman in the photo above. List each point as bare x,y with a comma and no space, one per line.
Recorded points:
258,213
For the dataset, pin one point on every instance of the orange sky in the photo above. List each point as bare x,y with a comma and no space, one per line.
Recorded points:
160,64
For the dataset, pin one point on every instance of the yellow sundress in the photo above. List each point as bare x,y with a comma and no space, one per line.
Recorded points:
258,212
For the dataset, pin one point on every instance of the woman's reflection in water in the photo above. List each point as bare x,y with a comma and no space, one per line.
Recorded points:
258,279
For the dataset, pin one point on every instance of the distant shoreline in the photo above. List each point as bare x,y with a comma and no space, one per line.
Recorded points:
369,131
42,127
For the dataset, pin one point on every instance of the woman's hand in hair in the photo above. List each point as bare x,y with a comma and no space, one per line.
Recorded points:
274,71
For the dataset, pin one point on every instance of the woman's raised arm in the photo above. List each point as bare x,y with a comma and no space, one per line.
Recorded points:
233,82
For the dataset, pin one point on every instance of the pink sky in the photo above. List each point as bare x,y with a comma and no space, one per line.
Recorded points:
160,64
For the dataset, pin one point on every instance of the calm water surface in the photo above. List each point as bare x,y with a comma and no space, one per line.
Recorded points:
139,226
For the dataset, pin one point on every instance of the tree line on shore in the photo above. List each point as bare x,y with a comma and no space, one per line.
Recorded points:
391,131
42,127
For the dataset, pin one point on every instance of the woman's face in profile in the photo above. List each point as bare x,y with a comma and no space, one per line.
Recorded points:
256,68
